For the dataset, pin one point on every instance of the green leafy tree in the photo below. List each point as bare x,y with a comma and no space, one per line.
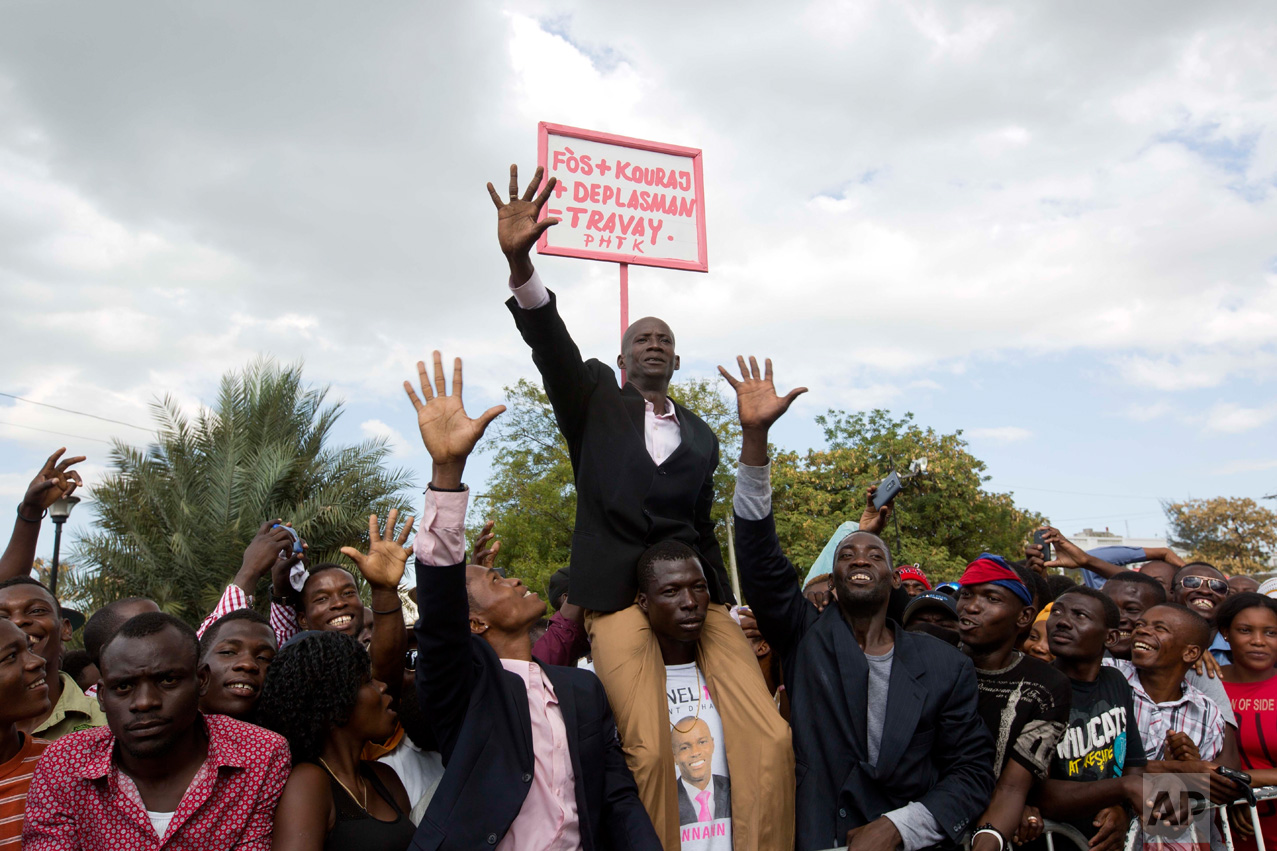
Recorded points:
942,520
173,520
531,495
1235,534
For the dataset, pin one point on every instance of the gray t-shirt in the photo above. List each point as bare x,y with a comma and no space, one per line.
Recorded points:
879,683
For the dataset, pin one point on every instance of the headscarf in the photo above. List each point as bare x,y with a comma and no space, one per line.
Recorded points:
994,570
825,561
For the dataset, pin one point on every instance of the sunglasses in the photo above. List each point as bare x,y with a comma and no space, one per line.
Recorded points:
1192,583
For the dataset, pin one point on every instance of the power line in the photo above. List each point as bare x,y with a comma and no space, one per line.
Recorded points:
80,413
1084,493
59,433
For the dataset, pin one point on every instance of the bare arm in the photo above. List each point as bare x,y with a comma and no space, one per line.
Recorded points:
305,812
383,567
55,480
1006,805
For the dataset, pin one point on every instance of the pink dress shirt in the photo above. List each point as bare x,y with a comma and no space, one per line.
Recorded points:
548,819
283,619
80,800
661,432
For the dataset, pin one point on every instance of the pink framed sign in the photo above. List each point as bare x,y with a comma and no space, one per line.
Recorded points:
623,200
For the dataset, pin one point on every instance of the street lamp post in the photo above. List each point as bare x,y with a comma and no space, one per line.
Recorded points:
58,513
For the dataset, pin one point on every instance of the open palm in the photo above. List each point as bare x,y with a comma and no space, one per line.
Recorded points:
448,432
383,566
517,225
757,403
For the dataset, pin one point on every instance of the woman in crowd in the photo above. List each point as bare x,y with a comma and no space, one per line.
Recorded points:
320,695
1248,622
1036,645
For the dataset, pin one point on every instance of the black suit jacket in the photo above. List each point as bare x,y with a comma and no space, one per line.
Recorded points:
934,747
479,714
722,801
624,501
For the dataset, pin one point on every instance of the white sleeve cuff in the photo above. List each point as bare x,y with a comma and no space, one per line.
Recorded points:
531,294
917,826
753,500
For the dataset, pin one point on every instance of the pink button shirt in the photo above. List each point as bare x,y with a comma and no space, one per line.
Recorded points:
548,820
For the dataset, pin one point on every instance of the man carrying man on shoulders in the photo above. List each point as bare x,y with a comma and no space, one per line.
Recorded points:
644,468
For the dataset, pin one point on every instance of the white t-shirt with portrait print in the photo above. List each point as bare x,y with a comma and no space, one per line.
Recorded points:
700,758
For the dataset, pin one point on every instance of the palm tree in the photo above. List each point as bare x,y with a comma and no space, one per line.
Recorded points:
173,520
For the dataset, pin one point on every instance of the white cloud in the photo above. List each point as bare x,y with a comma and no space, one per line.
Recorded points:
897,193
1228,418
999,434
401,445
1248,466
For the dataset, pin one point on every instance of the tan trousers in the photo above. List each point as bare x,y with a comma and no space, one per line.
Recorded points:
760,755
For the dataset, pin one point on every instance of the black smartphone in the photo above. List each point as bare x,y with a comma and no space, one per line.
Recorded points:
887,489
1039,539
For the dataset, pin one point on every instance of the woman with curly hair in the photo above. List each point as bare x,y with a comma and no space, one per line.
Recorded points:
320,695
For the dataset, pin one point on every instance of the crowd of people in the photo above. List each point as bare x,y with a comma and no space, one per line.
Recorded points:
851,704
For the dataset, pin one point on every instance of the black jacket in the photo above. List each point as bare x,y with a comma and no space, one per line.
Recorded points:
624,502
935,749
479,714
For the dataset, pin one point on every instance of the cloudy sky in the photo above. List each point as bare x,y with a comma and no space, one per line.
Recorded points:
1051,225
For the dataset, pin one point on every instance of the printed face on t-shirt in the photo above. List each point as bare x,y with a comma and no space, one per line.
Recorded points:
693,751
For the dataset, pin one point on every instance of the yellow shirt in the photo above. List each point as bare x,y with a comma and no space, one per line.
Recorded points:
74,712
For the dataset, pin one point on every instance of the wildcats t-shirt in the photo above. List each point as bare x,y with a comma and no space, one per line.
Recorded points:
1102,740
700,760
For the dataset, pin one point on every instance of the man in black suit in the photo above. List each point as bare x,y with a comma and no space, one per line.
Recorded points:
890,747
500,717
644,471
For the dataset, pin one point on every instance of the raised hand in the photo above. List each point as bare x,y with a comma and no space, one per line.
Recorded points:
270,547
1067,553
757,403
517,225
449,434
383,566
55,480
484,552
874,519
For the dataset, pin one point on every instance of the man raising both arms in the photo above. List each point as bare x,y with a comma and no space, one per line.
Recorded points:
887,729
644,473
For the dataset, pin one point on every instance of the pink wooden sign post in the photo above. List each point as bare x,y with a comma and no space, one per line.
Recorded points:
623,200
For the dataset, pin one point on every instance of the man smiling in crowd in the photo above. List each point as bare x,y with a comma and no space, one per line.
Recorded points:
24,694
886,722
1201,588
1134,594
234,655
36,612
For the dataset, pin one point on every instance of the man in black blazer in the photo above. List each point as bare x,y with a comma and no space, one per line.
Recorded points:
890,747
501,718
644,471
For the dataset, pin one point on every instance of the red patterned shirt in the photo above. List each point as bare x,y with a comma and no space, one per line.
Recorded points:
80,801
